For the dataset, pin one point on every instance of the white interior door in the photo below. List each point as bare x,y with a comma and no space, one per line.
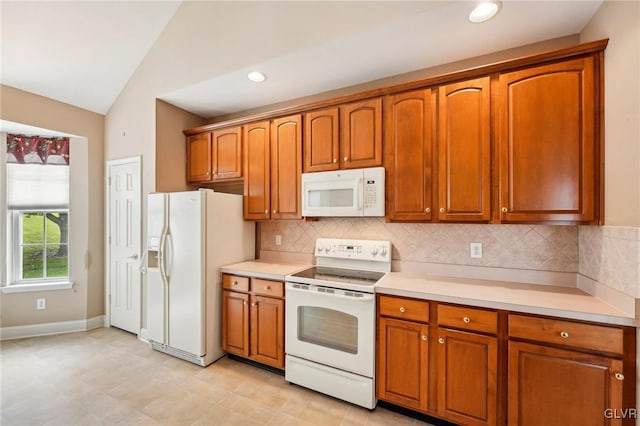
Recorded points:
123,239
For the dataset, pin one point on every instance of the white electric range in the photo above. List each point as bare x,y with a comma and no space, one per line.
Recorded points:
330,317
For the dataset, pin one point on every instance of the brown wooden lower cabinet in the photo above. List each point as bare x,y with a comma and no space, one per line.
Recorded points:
403,353
491,367
467,377
252,323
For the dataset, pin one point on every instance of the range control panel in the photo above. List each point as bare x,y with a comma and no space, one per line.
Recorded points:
370,250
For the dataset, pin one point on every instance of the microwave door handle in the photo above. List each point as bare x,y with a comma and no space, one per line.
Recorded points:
359,192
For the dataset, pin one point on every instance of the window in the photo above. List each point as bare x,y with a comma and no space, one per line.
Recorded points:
38,210
42,245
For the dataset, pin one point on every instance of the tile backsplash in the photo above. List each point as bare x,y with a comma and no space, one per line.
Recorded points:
535,247
611,255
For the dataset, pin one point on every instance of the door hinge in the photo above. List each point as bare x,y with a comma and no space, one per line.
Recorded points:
109,239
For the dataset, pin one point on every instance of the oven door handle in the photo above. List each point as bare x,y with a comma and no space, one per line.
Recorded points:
366,297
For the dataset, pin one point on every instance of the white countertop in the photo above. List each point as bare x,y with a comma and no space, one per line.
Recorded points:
566,302
266,270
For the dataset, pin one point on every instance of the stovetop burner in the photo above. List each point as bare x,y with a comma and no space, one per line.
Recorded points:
341,275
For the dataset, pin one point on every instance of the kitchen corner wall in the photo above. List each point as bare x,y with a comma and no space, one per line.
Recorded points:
611,256
534,247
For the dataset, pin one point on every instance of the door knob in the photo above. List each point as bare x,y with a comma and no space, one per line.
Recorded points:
134,257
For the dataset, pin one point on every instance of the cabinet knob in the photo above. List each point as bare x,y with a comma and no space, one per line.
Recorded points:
424,337
504,210
441,340
441,209
345,159
254,304
466,320
244,303
619,376
335,160
267,287
564,334
235,283
428,210
207,174
273,211
403,309
266,212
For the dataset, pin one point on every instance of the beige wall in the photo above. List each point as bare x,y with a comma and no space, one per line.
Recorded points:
620,22
86,299
171,156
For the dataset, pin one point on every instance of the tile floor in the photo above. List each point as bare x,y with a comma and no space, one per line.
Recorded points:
108,377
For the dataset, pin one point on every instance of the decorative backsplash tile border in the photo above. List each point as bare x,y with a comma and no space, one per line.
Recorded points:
611,256
535,247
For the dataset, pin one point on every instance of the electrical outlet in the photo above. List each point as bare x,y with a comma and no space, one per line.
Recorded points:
278,240
41,304
475,250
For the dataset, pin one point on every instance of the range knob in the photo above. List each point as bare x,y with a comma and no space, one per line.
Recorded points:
374,251
327,249
383,251
320,248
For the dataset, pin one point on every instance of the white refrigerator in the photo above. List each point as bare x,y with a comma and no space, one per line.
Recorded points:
190,235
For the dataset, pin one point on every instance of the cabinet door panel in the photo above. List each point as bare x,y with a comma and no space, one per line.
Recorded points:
467,377
227,153
549,386
465,151
267,326
361,134
257,183
403,363
321,140
199,157
547,143
408,145
286,167
235,323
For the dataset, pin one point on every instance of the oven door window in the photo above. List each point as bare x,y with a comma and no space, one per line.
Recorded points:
329,328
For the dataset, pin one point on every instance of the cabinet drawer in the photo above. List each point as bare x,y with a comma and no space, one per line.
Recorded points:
267,288
468,318
235,282
586,336
410,309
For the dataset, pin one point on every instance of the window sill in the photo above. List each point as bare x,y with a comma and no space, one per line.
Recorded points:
41,286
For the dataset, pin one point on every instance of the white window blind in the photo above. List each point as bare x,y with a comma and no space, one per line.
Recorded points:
37,186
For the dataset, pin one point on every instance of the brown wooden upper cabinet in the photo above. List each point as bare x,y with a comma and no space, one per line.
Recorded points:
464,145
227,153
199,157
216,155
257,165
273,165
343,137
548,142
408,155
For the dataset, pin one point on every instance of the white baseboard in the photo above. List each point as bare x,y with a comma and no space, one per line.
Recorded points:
45,329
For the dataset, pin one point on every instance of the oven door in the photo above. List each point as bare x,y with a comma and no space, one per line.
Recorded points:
331,326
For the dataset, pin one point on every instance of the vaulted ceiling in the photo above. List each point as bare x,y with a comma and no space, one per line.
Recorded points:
84,53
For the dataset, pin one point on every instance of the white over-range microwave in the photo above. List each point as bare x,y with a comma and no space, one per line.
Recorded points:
346,193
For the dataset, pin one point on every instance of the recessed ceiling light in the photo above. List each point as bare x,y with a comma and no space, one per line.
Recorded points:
484,11
256,76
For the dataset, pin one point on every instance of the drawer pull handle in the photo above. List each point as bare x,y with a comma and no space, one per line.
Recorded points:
619,376
466,320
424,337
441,340
403,309
564,334
235,283
267,287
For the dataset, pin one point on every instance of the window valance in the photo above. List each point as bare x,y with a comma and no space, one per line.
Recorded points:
51,150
